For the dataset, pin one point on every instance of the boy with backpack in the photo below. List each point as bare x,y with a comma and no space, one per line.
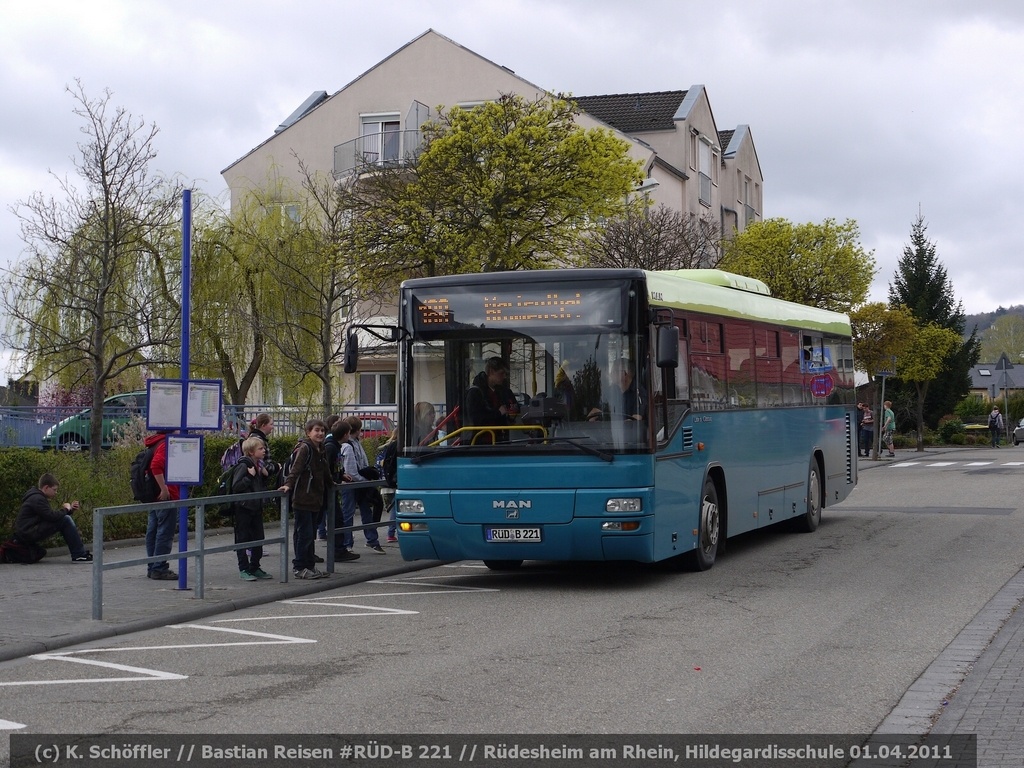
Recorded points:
306,484
250,475
995,425
161,523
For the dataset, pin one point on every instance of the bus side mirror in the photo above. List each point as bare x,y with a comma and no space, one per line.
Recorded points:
668,346
351,357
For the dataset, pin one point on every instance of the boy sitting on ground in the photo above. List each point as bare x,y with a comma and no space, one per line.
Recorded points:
38,521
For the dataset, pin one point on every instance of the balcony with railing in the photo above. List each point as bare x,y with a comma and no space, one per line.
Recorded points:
389,148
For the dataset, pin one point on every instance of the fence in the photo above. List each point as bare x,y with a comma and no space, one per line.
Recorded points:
26,426
201,550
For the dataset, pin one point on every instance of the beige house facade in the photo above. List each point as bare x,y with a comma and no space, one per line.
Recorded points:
690,165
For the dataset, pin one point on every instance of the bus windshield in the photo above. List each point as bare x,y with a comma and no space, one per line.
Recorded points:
525,370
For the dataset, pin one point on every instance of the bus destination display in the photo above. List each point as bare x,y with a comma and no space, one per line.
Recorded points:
461,309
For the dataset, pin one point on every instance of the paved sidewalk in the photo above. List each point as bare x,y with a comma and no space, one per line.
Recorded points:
48,605
976,685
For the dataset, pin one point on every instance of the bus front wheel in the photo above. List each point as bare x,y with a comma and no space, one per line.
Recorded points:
503,565
703,557
809,520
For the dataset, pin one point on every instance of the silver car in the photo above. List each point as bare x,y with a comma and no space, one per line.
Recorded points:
1018,433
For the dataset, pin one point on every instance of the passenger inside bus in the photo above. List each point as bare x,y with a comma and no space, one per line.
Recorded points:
628,405
424,415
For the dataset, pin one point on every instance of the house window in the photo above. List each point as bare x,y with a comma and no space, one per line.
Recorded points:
377,389
704,170
381,138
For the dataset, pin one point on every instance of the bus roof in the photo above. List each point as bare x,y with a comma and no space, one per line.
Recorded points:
712,291
722,293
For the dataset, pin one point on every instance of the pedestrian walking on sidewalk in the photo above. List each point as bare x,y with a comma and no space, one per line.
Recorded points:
995,425
888,426
37,520
250,475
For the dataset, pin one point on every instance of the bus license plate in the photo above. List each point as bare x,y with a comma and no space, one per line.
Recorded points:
513,534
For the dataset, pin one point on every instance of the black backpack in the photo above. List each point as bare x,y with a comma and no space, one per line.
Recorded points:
144,486
993,421
387,463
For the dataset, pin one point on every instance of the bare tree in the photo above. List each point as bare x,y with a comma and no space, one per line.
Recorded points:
659,238
92,297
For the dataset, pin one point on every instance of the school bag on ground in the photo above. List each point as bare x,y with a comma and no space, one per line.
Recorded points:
14,551
144,485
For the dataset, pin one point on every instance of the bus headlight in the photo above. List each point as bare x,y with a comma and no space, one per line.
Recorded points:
623,525
414,506
406,527
624,505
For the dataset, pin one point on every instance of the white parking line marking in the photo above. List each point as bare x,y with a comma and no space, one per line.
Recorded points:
979,463
942,464
10,725
902,464
142,673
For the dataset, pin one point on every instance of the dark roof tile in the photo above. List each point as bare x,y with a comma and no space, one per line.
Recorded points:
634,112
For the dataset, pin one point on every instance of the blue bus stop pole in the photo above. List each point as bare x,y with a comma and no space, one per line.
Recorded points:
186,310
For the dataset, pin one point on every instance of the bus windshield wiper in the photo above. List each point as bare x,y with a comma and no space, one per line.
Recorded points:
609,457
458,450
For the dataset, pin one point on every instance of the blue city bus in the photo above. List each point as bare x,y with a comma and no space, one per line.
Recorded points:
643,416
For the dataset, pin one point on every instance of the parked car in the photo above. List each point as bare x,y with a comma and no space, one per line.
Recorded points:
1018,433
72,433
377,426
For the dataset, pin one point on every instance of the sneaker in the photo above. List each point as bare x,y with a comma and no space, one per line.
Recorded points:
83,558
392,539
246,576
376,547
318,574
165,575
345,555
308,574
259,573
317,559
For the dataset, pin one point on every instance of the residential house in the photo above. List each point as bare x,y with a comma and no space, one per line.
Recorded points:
690,166
991,381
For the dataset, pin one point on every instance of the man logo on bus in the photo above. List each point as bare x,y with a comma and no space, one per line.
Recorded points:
512,504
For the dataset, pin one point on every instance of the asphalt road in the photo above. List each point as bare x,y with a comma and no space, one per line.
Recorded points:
789,633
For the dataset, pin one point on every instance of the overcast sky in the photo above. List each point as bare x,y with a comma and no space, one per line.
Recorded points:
864,109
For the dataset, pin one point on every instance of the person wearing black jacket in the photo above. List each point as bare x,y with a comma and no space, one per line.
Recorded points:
250,475
38,521
307,485
490,402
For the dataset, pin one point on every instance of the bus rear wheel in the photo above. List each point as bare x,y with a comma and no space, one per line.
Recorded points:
809,520
709,531
503,565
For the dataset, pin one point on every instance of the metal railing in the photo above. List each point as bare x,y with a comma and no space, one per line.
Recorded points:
200,552
390,148
25,426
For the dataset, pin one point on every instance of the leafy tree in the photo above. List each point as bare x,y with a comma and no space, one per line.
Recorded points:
659,238
509,184
921,285
822,265
228,314
880,336
923,361
92,300
1006,335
